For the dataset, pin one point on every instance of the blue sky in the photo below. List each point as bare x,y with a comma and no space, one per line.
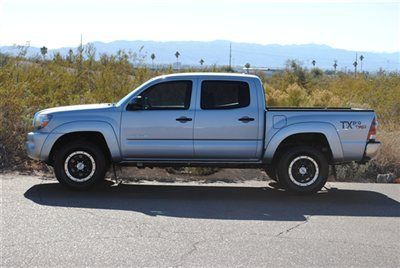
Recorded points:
353,25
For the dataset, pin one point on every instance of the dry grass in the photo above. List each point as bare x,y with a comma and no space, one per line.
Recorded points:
389,155
387,161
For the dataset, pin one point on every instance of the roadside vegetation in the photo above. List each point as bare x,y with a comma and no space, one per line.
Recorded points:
29,85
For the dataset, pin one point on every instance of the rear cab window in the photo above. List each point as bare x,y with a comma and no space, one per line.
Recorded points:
217,95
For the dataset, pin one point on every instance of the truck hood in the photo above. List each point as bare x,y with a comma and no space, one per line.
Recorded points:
77,108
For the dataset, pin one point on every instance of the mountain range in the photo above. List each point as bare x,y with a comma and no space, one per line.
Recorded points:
217,52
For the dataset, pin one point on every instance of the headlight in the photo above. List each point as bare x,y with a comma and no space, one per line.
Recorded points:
41,120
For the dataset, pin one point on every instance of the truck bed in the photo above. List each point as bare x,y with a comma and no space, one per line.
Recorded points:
348,126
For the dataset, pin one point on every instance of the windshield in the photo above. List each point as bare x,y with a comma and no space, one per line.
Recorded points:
121,101
127,97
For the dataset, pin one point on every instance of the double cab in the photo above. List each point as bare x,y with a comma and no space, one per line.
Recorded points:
201,119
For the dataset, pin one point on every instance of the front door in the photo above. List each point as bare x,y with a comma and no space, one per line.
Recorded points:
160,125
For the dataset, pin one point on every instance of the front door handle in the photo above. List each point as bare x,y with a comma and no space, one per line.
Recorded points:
183,119
246,119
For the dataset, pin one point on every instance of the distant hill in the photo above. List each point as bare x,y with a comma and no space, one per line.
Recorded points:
217,52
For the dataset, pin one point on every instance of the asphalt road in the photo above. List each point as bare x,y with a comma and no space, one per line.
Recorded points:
225,225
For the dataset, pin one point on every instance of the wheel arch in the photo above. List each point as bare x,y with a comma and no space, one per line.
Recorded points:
322,136
100,133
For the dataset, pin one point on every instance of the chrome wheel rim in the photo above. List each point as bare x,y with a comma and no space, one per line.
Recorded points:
303,170
79,166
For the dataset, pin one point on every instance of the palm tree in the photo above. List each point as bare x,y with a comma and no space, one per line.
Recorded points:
177,54
335,65
313,63
361,59
247,66
43,51
201,62
355,67
152,56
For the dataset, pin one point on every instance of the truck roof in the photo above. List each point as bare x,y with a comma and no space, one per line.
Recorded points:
209,74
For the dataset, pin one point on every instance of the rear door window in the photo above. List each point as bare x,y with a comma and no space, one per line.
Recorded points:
224,95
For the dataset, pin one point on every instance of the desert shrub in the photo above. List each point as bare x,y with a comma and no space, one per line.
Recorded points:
388,159
357,172
323,98
294,95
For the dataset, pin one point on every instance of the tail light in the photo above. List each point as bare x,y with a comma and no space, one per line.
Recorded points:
372,130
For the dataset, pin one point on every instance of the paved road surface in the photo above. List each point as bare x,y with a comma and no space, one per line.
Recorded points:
244,224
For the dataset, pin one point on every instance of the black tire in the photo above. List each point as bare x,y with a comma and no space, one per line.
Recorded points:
271,172
303,170
92,165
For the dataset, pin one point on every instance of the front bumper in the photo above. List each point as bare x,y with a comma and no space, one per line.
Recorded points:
34,144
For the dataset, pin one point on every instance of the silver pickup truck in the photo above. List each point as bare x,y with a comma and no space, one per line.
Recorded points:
201,119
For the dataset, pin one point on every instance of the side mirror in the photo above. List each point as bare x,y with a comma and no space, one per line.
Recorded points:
136,104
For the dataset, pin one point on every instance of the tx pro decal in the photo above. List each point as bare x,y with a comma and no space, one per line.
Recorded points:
353,125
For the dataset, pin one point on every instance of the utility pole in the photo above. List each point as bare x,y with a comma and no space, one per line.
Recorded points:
230,56
80,48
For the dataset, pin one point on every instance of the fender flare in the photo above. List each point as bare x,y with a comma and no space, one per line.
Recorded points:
326,129
81,126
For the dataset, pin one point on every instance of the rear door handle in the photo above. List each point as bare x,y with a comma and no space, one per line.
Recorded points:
183,119
246,119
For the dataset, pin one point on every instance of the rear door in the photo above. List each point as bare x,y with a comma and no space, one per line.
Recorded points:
163,128
226,124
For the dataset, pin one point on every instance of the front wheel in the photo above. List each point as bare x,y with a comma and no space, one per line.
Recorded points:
303,170
271,172
80,165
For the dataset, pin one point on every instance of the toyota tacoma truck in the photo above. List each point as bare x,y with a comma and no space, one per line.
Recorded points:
201,119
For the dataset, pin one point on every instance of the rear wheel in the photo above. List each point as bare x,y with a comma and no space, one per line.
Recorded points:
80,165
303,170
